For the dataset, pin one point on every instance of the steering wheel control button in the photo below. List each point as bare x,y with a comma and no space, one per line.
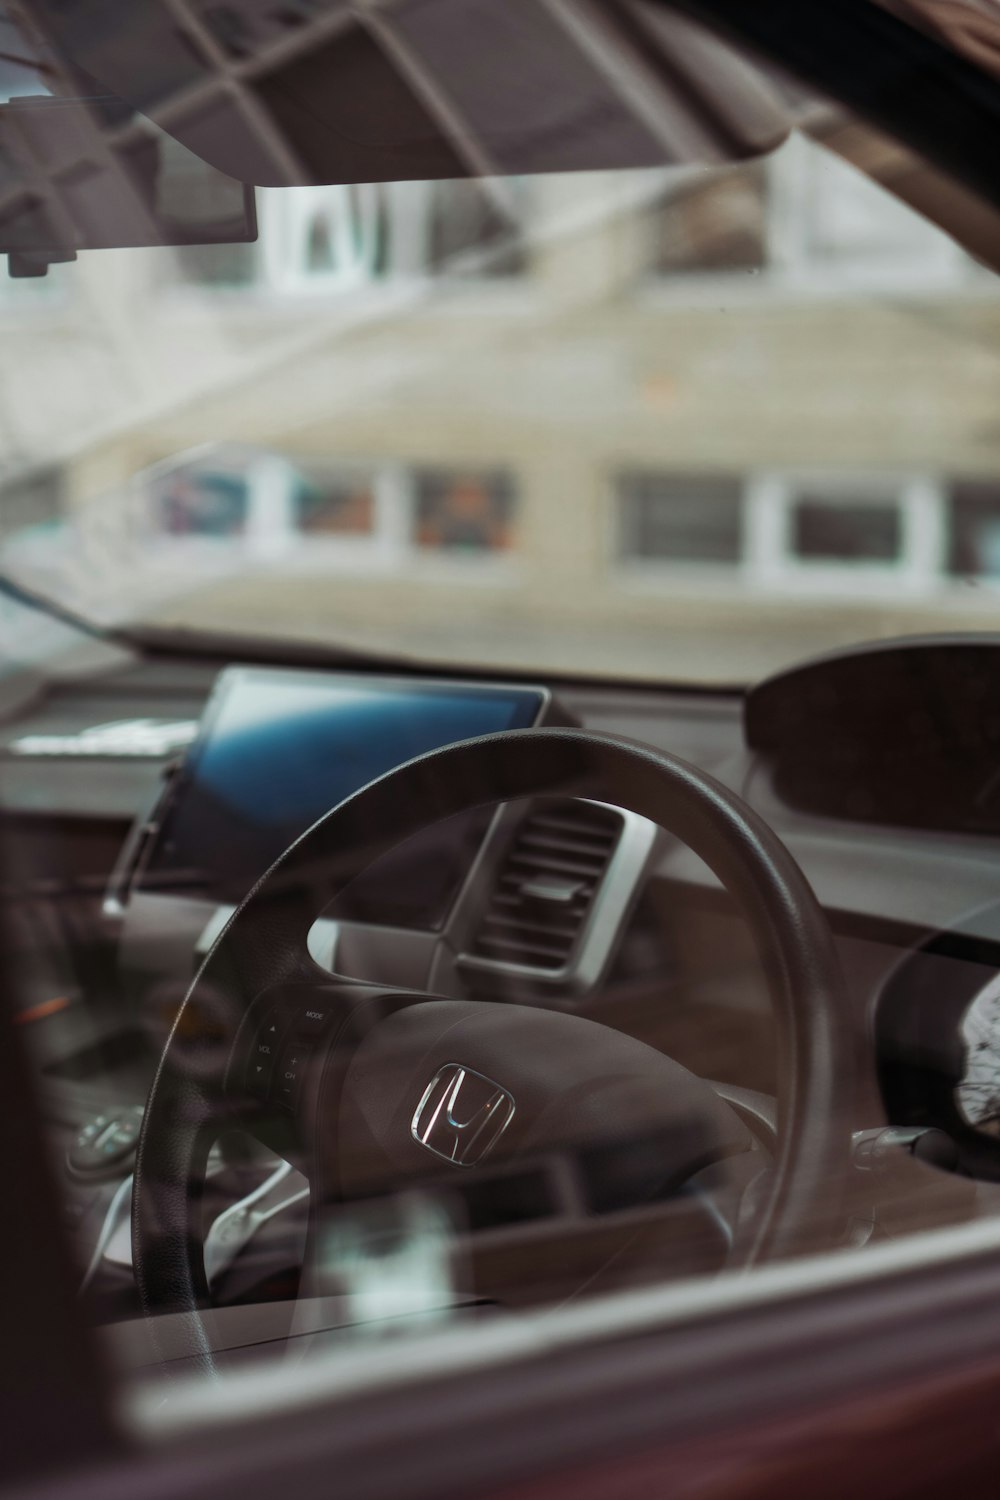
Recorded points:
289,1076
264,1053
313,1018
461,1115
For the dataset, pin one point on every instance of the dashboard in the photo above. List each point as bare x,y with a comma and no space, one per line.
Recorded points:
142,800
521,900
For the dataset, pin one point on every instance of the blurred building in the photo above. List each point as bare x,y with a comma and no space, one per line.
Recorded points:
684,422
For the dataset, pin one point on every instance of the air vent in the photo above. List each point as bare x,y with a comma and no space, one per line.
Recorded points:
546,885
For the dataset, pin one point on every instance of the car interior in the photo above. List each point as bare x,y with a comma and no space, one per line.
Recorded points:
423,974
623,959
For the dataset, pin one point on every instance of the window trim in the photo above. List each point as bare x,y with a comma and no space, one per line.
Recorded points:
271,539
772,502
769,567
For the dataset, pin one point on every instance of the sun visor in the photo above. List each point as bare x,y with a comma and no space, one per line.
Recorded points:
316,91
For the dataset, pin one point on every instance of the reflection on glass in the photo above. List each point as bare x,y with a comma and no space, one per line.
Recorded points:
390,1259
978,1092
718,224
462,219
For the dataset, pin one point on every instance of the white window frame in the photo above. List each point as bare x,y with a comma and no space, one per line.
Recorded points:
286,214
769,565
271,540
271,537
194,547
385,549
773,563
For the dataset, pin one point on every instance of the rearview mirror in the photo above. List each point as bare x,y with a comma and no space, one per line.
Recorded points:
85,174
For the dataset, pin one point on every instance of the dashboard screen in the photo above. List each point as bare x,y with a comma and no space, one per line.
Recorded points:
278,749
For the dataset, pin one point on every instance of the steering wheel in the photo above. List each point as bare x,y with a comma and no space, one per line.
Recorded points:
370,1071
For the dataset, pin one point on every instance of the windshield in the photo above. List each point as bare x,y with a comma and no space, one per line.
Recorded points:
420,420
686,422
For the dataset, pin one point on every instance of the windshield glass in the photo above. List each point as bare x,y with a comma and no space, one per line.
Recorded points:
689,422
414,927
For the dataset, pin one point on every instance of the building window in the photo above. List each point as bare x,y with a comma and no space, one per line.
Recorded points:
824,534
201,503
836,531
676,518
323,239
846,532
334,504
339,513
718,223
974,528
463,511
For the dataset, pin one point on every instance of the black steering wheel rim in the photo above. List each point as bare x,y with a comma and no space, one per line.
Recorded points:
264,944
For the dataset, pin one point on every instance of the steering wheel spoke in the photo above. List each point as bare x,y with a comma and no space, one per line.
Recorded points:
291,1034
